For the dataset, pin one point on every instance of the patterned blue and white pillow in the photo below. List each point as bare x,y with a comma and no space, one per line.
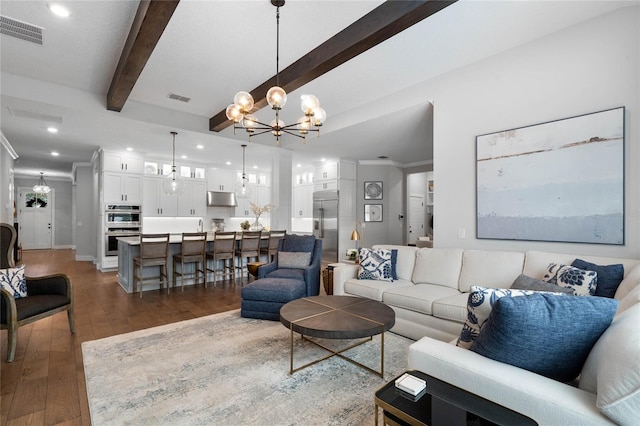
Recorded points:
13,281
583,283
375,264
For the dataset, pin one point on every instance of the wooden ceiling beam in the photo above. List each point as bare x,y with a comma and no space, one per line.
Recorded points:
148,25
382,23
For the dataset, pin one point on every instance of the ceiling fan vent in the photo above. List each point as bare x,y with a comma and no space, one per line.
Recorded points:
21,30
178,97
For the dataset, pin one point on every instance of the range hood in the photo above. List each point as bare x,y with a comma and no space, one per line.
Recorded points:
221,199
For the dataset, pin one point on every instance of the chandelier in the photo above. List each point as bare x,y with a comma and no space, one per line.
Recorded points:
41,187
173,183
240,111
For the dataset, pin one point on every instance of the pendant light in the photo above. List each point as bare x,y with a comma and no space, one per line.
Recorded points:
41,187
173,183
243,190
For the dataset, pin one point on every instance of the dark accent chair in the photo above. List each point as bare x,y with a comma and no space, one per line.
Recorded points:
47,296
276,286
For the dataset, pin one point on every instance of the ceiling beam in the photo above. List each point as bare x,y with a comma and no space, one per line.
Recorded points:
148,25
382,23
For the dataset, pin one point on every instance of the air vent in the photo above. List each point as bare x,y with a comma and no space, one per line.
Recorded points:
21,30
382,157
22,113
178,97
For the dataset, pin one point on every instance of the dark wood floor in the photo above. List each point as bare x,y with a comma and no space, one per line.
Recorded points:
45,383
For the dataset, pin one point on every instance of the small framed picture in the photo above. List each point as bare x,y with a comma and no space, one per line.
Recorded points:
373,190
373,212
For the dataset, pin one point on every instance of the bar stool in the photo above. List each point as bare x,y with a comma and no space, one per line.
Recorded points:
271,250
154,251
192,252
249,248
224,247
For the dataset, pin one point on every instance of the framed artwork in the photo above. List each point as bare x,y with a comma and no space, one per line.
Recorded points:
373,212
373,190
557,181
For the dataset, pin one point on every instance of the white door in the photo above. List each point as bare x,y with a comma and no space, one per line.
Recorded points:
416,218
34,217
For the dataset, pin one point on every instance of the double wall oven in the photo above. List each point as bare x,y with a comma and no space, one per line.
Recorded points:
121,220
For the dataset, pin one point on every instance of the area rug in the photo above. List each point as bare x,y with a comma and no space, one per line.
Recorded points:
225,369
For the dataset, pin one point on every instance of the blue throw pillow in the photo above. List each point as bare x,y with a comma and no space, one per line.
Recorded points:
609,276
299,243
547,334
394,259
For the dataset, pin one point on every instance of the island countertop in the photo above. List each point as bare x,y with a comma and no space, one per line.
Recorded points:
177,238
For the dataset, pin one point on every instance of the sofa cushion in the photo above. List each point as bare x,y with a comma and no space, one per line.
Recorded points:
371,289
293,259
547,334
13,280
609,276
417,298
629,300
376,264
479,305
405,262
612,370
536,262
582,282
438,266
524,282
631,281
453,308
495,269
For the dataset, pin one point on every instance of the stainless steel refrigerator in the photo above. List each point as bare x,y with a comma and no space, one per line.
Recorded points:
325,223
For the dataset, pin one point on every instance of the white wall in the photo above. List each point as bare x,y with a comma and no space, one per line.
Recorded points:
6,185
590,67
86,220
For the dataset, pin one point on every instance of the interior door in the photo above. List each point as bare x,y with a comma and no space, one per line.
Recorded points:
34,217
416,218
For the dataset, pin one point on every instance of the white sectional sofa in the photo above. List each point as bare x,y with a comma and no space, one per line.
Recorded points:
430,299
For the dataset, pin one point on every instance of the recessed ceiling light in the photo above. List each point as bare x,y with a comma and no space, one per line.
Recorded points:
59,10
55,153
298,165
183,156
228,163
200,146
323,159
255,167
52,129
129,148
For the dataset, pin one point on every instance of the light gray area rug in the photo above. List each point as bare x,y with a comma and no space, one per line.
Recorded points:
224,369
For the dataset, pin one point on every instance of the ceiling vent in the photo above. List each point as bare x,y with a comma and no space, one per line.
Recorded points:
23,113
382,157
178,97
21,30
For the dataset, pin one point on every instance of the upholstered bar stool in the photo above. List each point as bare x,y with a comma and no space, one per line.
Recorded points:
249,249
154,251
224,247
193,251
272,246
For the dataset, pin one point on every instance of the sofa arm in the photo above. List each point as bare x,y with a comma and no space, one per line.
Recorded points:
341,274
49,284
544,400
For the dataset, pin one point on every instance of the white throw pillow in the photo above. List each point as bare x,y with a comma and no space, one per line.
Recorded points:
612,370
12,280
293,259
582,282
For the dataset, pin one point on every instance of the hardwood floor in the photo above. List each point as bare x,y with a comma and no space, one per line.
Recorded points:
45,383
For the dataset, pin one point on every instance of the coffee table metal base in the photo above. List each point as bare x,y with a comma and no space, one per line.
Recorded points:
338,353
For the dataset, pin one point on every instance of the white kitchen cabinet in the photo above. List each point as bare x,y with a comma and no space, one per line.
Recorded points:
191,172
327,171
326,185
155,202
193,202
303,201
260,195
117,162
221,180
119,187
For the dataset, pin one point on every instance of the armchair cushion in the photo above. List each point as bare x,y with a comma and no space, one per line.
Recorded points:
34,305
287,273
13,280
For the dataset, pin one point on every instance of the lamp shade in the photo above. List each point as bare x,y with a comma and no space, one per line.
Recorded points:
41,187
173,184
355,236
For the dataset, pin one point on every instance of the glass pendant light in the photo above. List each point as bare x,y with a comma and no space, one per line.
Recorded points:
173,183
41,187
243,190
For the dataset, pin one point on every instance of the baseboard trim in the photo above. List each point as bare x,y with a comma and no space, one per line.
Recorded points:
85,258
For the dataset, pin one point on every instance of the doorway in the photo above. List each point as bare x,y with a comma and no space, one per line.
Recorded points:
35,214
416,218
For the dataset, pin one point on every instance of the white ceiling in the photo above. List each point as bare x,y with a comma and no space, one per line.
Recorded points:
212,49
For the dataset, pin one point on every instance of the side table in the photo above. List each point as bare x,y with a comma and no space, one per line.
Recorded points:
252,267
442,405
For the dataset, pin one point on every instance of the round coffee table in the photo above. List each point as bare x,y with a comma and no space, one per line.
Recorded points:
337,317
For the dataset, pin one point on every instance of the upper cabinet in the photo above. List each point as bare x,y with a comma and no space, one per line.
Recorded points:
125,163
328,170
193,202
221,180
119,187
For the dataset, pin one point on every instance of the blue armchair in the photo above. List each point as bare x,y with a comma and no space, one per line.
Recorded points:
309,274
290,276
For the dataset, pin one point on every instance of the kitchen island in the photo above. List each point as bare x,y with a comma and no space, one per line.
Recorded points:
129,247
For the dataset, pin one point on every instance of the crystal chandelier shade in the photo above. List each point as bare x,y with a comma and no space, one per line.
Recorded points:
41,187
